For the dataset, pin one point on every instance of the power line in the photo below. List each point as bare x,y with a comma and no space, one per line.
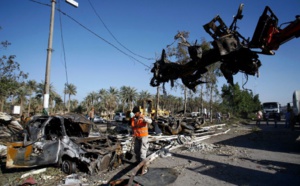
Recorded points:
103,39
114,36
63,46
64,53
94,33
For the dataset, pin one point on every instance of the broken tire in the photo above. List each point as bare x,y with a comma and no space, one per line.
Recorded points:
68,166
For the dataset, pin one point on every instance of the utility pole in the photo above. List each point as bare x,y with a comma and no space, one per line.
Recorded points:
49,54
48,63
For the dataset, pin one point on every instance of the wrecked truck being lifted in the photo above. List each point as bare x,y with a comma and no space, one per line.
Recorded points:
63,140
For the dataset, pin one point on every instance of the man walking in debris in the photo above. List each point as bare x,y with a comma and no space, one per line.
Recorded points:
139,124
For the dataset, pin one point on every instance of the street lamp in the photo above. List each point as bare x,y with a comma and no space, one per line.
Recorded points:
49,53
73,3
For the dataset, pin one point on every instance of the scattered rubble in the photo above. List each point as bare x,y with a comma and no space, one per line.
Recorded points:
203,147
9,127
58,135
30,173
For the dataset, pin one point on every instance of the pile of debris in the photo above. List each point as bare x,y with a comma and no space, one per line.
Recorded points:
9,126
162,145
179,124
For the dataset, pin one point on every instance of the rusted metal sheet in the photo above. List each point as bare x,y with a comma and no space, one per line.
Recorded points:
32,155
16,152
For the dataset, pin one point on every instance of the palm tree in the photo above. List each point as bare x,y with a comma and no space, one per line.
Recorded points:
91,100
123,96
22,92
111,101
52,93
101,100
128,95
36,104
31,86
74,104
59,106
143,98
70,89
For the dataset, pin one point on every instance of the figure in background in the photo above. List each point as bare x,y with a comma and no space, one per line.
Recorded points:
276,119
22,119
28,119
258,117
204,113
218,117
287,118
92,114
267,115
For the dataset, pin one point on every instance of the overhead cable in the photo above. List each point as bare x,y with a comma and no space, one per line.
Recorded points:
114,36
94,34
63,46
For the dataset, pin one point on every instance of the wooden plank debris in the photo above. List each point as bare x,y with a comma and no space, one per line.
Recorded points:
169,147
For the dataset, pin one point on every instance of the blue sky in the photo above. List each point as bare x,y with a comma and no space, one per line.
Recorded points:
145,27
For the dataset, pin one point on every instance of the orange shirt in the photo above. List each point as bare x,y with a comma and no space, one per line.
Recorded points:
139,127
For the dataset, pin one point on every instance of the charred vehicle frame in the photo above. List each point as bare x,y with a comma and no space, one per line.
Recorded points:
229,47
63,140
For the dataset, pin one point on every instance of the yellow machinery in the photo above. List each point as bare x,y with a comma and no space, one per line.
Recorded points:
149,110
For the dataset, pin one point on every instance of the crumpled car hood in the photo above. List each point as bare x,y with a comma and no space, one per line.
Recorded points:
84,123
77,118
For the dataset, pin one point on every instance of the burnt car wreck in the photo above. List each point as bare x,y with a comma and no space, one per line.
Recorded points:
63,140
234,52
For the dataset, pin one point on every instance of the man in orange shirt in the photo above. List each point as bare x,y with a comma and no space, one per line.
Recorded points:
139,124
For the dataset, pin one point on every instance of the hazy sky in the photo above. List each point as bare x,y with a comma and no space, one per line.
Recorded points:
95,59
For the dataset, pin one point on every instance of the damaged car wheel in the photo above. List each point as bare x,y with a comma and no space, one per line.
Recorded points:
68,166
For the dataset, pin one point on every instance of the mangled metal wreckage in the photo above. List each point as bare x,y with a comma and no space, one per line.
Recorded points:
63,140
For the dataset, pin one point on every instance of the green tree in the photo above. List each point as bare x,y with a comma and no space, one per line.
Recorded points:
73,105
31,87
102,94
128,95
36,103
70,89
111,101
59,104
91,99
180,52
143,97
21,93
52,94
241,102
10,77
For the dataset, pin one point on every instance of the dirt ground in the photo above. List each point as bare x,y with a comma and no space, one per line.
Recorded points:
246,155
